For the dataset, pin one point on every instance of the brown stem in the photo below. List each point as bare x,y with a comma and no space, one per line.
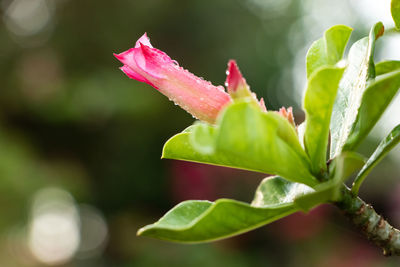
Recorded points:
371,224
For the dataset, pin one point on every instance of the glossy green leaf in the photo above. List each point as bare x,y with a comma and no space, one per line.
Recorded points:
247,138
344,165
202,138
395,9
322,193
318,103
340,169
202,221
277,190
328,50
384,67
360,69
301,129
375,100
383,148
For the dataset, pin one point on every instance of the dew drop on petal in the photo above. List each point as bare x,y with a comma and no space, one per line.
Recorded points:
227,72
222,89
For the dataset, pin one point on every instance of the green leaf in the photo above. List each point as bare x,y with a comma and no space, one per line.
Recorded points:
247,138
277,190
384,67
383,148
202,137
318,103
202,221
344,165
328,50
360,69
340,169
395,9
301,129
322,193
273,190
375,100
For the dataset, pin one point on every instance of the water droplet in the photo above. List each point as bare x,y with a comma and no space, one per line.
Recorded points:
222,89
175,62
227,72
226,84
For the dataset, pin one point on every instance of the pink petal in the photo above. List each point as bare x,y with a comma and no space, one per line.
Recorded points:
130,67
152,61
290,116
237,86
197,96
262,105
234,79
287,113
128,59
133,75
143,40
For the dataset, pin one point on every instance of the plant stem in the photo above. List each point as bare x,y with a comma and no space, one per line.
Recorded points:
370,223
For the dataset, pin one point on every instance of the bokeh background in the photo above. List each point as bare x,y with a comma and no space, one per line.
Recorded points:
80,143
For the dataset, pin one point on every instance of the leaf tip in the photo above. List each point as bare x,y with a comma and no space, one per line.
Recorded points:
140,231
395,10
144,231
379,29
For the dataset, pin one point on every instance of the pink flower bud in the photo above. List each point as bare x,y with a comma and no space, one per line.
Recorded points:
237,86
262,105
288,114
152,66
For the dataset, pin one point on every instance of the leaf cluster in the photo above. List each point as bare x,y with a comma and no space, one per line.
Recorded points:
344,98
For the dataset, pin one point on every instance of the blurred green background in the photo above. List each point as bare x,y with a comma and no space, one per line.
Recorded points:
80,143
